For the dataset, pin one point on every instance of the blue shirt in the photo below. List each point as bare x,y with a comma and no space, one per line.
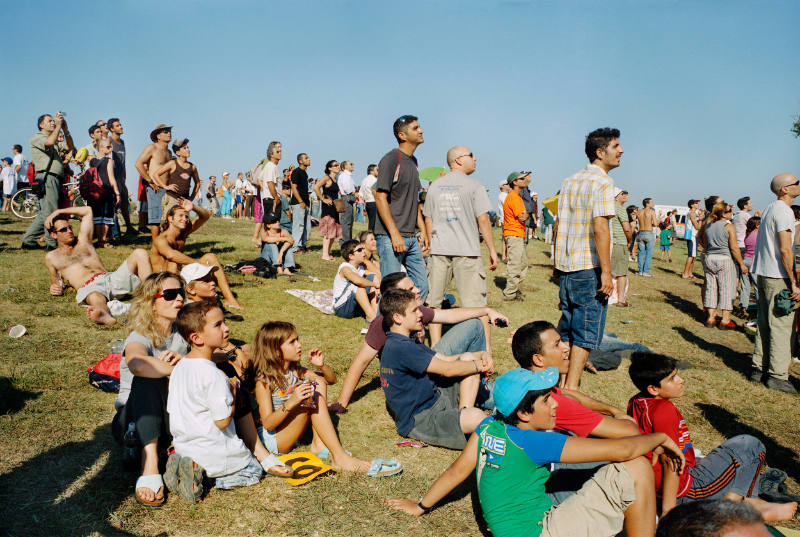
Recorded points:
408,388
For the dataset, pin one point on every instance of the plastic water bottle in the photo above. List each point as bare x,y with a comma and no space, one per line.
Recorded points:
131,444
115,347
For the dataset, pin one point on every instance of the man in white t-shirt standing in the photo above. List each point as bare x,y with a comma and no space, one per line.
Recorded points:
271,183
773,265
456,214
367,191
347,193
19,166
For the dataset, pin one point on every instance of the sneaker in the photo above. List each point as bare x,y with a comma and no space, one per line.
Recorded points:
770,482
756,375
515,298
646,274
781,385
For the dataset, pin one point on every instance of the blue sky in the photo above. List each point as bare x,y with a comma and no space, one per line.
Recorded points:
703,92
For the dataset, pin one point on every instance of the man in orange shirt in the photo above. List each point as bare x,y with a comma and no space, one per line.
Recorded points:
514,217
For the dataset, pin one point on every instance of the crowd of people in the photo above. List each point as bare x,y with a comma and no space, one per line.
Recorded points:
226,411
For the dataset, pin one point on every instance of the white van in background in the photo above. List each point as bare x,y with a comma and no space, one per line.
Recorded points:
680,218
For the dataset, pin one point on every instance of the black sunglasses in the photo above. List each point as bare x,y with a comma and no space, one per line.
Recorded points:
406,119
62,229
171,294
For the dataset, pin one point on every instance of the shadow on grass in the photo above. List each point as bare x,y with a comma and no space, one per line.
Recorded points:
13,399
500,282
362,391
684,306
738,361
58,492
728,425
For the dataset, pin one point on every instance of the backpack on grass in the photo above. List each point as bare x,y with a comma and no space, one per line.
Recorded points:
105,373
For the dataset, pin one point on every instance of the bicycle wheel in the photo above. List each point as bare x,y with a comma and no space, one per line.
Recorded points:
24,203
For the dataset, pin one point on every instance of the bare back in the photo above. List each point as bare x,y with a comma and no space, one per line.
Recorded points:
647,219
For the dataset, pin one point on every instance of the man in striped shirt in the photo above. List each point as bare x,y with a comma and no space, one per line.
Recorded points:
583,249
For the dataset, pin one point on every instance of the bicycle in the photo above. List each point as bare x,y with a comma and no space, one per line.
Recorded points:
25,204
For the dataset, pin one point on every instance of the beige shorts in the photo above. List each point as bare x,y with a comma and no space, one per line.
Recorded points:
469,274
597,509
619,260
115,284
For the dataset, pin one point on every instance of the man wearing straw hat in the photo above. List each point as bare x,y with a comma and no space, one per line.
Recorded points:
152,158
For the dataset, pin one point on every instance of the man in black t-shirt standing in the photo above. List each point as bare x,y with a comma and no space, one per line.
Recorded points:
399,212
118,147
301,204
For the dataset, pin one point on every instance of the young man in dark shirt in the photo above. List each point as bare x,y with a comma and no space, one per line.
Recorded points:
301,203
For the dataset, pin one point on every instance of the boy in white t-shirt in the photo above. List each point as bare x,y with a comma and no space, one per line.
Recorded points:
201,408
8,177
351,289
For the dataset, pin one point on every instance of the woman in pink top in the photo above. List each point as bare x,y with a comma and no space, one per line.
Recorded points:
750,235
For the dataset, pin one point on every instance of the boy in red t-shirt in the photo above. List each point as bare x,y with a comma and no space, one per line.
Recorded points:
514,218
730,471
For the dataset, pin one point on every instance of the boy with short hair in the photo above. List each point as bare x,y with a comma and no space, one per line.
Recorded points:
666,240
352,287
511,453
276,244
424,406
514,218
201,408
730,471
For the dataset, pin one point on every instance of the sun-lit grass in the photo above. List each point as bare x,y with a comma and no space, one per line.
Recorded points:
60,471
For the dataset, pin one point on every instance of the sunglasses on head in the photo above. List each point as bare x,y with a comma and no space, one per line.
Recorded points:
171,294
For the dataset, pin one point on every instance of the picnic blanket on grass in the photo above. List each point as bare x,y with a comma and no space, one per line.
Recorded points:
322,300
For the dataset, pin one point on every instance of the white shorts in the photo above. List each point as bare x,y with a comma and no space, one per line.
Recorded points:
115,284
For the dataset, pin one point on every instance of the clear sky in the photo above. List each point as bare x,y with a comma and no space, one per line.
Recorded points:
703,92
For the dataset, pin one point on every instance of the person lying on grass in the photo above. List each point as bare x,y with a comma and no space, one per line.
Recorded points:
76,261
730,471
430,396
276,244
290,397
354,292
203,412
167,250
466,334
511,453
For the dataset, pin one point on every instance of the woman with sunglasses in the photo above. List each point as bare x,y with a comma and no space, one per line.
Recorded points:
718,237
152,349
327,190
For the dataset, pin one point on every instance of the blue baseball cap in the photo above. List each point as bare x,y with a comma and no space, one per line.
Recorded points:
510,388
8,160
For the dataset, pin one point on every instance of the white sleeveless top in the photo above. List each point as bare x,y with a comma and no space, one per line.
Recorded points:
342,287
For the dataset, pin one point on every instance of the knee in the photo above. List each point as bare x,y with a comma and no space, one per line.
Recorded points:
211,258
748,443
641,470
140,255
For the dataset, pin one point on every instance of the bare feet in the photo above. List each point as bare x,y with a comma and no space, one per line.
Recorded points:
234,305
147,495
99,316
771,512
349,463
329,258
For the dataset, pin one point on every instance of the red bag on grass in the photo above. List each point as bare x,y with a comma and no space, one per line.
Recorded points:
105,373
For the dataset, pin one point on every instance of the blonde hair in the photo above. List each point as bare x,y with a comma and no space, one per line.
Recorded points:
141,318
268,356
718,211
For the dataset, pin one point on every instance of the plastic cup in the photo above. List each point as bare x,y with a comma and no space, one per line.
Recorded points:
17,331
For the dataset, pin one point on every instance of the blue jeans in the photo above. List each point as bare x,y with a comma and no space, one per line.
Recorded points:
300,221
611,343
742,456
646,241
154,206
270,251
583,310
746,281
411,259
249,475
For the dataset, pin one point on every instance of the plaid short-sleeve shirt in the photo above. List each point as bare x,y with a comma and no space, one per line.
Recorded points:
586,195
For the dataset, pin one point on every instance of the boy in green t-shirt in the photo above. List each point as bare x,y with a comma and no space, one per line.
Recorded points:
511,453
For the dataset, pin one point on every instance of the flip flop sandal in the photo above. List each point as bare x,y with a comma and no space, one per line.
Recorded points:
171,472
154,483
190,480
273,466
382,468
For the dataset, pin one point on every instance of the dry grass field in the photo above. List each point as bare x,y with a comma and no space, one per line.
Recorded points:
61,473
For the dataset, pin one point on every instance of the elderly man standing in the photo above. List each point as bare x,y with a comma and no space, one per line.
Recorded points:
271,185
583,250
773,266
456,211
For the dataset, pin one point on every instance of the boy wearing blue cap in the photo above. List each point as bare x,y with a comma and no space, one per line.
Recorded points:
511,453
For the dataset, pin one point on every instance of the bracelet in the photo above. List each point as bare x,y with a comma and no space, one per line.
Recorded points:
425,510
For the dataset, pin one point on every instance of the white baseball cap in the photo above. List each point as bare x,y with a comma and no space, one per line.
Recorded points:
195,271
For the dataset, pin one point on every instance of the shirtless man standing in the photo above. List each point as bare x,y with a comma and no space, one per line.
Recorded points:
167,251
646,237
152,158
176,176
78,263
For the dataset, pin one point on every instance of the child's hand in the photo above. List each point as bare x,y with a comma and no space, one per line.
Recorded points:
316,357
671,453
300,394
405,505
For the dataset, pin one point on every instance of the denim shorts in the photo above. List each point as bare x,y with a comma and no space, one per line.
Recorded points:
269,439
154,206
583,310
247,476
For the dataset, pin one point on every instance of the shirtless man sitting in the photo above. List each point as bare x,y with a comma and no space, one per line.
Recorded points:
167,251
78,263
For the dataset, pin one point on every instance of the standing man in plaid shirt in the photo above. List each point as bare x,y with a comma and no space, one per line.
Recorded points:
583,250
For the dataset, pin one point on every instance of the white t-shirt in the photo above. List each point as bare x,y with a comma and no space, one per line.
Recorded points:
345,182
740,223
22,174
777,217
199,394
249,188
9,179
342,287
501,199
366,188
239,186
270,175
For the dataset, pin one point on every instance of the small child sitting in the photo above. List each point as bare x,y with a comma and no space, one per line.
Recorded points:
353,293
423,405
277,244
730,471
201,412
